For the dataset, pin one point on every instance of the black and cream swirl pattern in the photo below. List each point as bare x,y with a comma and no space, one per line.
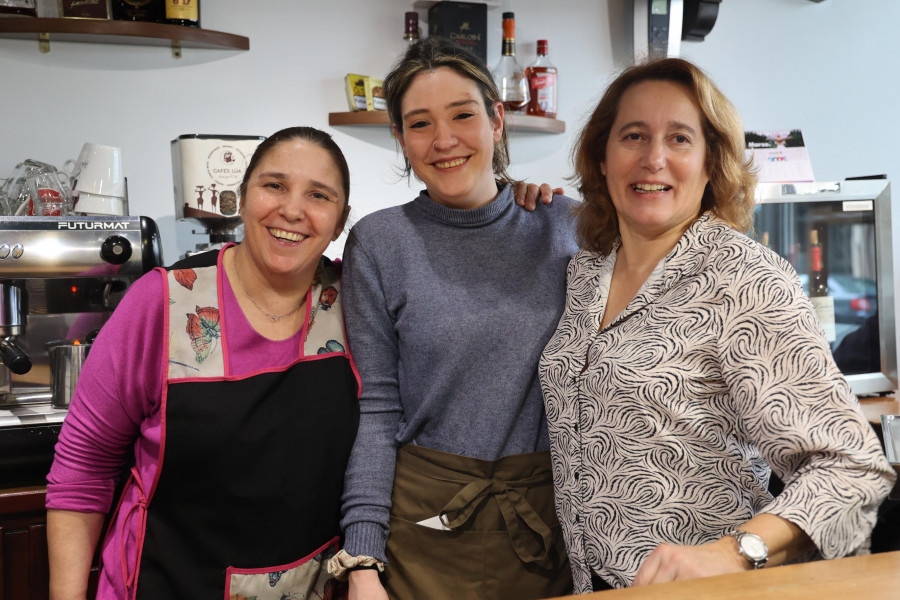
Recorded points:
665,425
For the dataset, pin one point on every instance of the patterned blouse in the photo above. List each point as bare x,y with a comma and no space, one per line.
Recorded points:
665,424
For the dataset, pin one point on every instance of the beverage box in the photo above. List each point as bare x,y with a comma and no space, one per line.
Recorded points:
356,91
207,171
364,93
463,22
85,9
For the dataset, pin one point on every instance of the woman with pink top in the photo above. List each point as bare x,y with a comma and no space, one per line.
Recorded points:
225,380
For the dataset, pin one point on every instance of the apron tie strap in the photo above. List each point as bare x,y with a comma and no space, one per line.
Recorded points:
531,538
129,575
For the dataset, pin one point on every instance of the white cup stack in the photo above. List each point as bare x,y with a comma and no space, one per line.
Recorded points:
100,181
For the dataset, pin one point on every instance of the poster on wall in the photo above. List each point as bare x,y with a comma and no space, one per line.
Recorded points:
779,155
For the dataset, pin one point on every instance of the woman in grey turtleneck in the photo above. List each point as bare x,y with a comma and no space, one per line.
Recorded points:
449,300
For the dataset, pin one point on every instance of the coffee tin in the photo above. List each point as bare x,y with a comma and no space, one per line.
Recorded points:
207,171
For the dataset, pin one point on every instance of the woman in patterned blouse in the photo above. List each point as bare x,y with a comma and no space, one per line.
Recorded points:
688,364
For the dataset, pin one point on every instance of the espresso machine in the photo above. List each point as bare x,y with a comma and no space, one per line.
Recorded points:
60,279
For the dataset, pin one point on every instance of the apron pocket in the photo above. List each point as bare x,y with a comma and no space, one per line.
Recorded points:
299,580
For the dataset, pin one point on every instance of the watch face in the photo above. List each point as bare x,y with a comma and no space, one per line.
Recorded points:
754,547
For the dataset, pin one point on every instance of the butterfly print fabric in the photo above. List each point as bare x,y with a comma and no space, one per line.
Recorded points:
204,330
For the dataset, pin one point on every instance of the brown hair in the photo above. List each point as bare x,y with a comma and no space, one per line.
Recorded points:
432,53
730,191
308,134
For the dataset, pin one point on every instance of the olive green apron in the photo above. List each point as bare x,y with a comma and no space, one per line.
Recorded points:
499,539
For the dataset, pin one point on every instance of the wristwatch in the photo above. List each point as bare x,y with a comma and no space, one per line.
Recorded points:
752,547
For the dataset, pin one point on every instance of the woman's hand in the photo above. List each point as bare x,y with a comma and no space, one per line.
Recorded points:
785,541
673,563
365,585
527,194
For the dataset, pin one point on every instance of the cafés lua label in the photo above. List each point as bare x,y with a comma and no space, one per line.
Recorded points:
225,165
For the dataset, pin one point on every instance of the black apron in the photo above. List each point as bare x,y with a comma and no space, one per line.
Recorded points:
247,499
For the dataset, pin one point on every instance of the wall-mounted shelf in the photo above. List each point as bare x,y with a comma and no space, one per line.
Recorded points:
514,122
133,33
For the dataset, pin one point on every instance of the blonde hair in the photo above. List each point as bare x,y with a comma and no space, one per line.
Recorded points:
732,182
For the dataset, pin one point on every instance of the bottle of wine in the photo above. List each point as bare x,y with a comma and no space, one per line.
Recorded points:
542,84
411,33
138,10
182,12
822,302
508,75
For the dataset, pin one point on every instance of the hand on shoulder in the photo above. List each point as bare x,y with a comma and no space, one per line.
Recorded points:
527,194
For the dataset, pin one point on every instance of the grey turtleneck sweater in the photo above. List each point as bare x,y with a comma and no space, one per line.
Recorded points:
447,313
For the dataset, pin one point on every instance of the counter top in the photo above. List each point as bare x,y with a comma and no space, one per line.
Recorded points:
32,414
876,406
862,577
29,406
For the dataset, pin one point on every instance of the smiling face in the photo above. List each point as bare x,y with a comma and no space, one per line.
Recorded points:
294,207
449,139
655,164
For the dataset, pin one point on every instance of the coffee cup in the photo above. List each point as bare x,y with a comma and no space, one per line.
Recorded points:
100,171
98,204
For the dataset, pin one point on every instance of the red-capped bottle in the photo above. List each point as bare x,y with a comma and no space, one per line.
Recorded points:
542,82
508,75
411,32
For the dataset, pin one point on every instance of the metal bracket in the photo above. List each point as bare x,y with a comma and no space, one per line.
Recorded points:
44,42
176,49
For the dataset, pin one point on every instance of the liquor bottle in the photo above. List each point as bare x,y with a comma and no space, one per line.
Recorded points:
138,10
411,32
508,75
182,12
822,302
764,239
542,84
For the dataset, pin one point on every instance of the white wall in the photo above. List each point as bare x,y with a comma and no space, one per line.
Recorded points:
828,68
823,67
140,98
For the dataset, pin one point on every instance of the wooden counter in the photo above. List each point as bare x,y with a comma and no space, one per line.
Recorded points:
876,576
874,407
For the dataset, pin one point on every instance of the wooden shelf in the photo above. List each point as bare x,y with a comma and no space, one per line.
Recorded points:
103,31
514,122
362,117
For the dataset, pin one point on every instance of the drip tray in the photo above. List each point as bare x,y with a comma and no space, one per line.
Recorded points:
29,397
